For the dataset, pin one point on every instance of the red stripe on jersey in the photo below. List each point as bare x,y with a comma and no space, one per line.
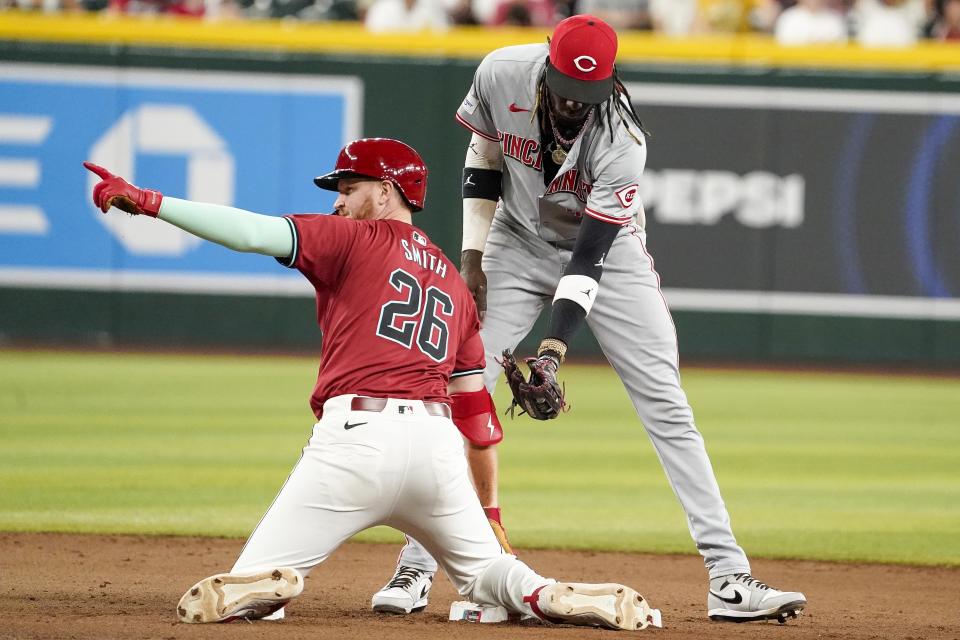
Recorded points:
603,217
474,129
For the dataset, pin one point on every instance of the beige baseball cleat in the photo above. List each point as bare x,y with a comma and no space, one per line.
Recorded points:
613,606
227,596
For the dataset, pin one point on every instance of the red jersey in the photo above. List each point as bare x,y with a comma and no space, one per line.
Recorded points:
397,319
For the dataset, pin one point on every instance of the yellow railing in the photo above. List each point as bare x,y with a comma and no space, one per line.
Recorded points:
466,42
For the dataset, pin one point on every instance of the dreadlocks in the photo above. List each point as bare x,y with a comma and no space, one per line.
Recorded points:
621,103
624,105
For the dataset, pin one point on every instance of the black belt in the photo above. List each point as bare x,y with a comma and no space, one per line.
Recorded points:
363,403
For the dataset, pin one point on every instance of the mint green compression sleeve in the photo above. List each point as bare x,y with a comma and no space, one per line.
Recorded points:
233,228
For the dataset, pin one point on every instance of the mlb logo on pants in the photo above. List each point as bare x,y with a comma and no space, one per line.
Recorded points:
405,408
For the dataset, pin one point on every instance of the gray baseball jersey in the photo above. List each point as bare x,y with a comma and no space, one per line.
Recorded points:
599,178
528,250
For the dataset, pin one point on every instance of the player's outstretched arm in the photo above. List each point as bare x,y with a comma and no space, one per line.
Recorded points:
233,228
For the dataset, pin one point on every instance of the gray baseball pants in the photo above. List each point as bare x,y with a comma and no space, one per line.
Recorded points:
632,324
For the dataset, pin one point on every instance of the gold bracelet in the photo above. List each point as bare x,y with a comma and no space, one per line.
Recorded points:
552,344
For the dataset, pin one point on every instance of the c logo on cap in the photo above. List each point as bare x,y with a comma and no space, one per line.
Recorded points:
587,66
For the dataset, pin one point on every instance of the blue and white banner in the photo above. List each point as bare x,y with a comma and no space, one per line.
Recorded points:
253,141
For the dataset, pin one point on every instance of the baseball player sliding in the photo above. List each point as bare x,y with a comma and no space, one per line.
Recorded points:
557,143
400,373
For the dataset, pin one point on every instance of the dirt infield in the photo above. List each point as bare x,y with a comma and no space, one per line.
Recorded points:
66,586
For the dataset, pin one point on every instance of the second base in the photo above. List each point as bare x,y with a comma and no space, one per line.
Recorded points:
472,612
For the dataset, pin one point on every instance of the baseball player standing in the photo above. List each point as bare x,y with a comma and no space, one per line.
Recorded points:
401,366
557,143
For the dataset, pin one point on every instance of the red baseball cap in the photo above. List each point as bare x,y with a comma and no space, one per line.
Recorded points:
582,52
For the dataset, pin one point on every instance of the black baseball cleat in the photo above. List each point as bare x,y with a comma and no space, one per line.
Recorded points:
740,597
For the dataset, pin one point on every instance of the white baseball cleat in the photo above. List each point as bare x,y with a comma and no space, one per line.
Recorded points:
613,606
407,592
227,596
740,597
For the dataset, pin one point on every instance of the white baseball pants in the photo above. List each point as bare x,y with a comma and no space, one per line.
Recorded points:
400,467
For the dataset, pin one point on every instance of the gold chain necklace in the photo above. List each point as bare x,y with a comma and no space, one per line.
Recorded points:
559,154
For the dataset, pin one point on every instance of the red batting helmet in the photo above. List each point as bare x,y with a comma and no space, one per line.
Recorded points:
381,159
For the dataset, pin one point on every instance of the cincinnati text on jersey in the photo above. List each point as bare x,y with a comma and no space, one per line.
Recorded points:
423,258
522,149
570,182
527,152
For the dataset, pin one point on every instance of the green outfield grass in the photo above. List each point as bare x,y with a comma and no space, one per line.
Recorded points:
825,466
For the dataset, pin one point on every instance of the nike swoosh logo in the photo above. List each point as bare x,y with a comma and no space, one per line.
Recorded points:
349,426
515,109
736,599
425,590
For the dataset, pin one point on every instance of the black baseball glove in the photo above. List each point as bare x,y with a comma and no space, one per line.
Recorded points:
541,396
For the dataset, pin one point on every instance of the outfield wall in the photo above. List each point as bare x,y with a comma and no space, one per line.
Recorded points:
803,204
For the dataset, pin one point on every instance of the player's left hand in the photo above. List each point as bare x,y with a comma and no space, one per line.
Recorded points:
540,396
114,191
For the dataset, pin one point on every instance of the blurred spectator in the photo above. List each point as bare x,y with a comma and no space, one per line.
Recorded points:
46,6
763,15
137,7
894,23
524,13
947,23
193,8
482,10
305,9
889,23
339,10
810,22
673,17
737,16
406,15
619,14
461,13
723,16
563,9
211,10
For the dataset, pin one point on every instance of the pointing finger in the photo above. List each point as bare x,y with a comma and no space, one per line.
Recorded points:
97,169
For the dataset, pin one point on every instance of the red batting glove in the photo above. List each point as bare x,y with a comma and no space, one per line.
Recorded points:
114,191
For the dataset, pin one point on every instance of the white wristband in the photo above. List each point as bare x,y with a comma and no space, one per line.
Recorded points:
579,289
